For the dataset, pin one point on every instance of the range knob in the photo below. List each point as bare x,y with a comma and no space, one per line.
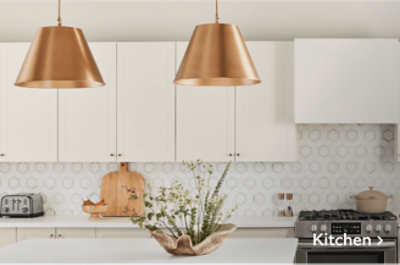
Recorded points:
323,228
314,228
24,209
388,228
378,228
368,228
6,209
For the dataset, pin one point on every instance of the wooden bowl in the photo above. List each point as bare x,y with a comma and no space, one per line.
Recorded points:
183,244
94,211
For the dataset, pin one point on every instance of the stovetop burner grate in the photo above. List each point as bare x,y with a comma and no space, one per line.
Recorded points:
345,215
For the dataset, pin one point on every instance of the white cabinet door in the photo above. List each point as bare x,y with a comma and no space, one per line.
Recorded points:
146,101
265,128
122,233
205,120
28,233
8,236
87,117
347,81
28,116
76,232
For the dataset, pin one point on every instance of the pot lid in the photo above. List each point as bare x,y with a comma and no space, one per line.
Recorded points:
372,194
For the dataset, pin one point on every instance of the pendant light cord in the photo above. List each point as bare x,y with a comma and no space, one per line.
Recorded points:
59,13
216,12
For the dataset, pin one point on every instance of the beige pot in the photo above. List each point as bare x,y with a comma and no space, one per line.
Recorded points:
371,201
183,244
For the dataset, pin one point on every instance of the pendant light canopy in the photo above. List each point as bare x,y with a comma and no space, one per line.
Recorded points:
59,57
217,56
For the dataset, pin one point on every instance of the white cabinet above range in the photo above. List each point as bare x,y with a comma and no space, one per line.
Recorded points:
347,80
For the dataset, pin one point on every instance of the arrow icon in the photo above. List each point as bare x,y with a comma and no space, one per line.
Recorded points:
380,240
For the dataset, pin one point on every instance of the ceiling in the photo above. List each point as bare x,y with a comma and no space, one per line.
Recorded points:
169,20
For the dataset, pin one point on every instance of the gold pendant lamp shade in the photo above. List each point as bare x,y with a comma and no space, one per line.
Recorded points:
59,57
217,56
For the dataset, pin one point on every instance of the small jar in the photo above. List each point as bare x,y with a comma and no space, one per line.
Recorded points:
289,198
281,204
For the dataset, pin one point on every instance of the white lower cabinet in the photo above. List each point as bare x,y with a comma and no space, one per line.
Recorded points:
28,233
76,232
54,233
8,236
13,235
122,233
263,233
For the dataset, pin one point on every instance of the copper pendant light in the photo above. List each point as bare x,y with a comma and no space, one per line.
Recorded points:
217,56
59,57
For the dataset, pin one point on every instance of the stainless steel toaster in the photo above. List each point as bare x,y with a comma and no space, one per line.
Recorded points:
21,205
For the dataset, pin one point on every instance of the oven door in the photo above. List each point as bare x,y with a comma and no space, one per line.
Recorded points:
386,252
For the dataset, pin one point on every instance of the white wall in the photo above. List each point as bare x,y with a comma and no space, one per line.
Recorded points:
167,20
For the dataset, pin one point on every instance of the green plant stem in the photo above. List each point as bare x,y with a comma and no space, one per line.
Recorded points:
172,233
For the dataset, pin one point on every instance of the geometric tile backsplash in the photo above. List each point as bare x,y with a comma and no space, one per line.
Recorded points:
335,161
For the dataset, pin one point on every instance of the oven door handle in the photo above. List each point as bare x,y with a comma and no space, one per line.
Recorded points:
385,244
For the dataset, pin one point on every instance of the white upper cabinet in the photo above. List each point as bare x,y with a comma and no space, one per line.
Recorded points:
28,116
205,120
265,129
87,117
146,101
347,81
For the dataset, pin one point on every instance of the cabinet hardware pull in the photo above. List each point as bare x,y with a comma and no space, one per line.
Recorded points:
238,154
112,154
51,235
119,154
230,154
59,236
1,154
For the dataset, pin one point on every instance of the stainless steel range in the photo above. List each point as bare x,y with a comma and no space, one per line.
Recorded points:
346,236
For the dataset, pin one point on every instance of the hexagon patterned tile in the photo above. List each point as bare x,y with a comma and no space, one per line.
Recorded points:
335,161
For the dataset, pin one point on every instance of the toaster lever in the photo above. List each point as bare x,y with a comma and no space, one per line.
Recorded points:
18,202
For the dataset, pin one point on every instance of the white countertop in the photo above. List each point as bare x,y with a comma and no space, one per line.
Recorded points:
123,222
277,250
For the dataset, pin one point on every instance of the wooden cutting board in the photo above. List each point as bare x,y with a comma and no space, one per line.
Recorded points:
116,197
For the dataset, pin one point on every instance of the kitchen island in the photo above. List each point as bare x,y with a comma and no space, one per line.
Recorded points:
277,250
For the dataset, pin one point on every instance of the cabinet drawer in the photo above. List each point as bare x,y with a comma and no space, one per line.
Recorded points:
8,236
28,233
263,233
76,232
122,233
